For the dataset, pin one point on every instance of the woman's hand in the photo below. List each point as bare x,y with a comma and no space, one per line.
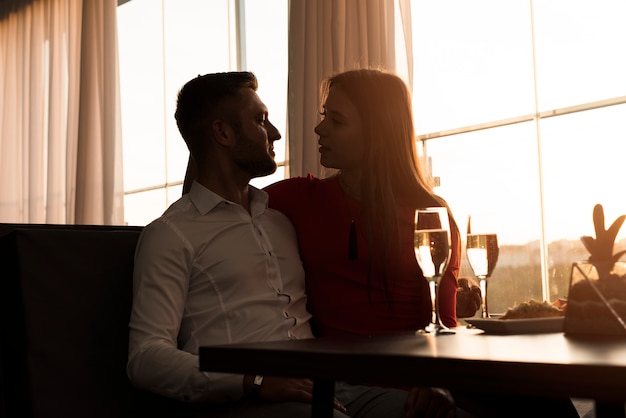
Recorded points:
468,298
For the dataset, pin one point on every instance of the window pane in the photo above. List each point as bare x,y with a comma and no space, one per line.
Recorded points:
196,42
495,171
163,45
174,193
141,91
266,56
473,62
583,158
142,208
579,50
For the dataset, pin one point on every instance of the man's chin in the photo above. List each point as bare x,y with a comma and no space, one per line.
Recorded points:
262,172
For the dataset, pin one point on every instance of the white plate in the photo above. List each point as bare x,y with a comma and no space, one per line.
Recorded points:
519,326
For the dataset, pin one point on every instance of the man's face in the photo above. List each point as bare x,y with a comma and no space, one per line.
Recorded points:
254,149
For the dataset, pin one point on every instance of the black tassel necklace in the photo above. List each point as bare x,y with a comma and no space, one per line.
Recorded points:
353,249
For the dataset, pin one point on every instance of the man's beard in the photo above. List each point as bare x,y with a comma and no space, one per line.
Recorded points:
252,157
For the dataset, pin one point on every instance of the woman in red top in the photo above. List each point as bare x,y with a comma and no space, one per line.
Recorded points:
355,229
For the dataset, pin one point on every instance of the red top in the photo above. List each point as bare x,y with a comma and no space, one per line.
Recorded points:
337,287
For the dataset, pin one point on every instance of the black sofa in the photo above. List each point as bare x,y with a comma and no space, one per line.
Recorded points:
65,300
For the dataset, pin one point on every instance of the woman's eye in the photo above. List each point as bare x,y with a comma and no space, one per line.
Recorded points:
333,118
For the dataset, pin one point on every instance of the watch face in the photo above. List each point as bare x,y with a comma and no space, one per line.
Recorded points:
258,379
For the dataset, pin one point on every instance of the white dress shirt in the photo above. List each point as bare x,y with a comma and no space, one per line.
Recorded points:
208,272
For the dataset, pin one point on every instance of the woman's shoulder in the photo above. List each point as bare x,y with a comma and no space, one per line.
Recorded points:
299,184
299,194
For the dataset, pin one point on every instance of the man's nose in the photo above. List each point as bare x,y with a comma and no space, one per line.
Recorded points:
273,133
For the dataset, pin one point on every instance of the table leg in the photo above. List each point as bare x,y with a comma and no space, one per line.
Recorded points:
323,398
609,410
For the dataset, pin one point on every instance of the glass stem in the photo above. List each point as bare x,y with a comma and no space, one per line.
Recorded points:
436,318
483,291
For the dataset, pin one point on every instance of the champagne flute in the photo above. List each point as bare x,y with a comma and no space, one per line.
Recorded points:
482,253
432,245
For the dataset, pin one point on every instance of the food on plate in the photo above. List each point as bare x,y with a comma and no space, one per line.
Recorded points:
533,309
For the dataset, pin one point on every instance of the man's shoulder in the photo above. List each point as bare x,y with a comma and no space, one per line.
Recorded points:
277,216
176,214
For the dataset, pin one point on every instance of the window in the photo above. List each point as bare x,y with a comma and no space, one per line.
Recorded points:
520,106
162,45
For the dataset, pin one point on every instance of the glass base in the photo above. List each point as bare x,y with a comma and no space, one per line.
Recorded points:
439,329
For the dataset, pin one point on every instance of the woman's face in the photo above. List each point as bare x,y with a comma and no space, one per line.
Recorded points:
340,133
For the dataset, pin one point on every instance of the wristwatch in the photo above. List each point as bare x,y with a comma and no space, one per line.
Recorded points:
257,382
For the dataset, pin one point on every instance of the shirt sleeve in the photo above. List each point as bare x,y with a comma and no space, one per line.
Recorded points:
162,269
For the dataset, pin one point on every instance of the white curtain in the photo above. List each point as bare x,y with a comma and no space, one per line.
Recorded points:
60,133
329,36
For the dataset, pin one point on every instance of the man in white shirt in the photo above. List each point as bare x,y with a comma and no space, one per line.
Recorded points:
218,266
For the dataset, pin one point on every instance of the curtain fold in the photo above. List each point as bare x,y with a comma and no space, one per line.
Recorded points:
329,36
60,133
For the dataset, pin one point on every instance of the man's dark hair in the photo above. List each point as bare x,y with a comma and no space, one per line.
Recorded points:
205,98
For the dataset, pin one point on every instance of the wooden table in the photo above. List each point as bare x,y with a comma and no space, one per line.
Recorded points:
538,364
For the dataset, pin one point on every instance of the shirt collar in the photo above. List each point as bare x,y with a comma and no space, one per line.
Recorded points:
206,200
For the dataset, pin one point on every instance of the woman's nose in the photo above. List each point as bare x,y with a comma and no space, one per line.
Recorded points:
318,128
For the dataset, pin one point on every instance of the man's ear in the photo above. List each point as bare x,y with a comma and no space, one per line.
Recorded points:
222,132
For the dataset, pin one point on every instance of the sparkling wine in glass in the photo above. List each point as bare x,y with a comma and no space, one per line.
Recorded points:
432,251
482,254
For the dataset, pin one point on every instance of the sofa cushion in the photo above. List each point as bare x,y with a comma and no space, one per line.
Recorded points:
70,298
